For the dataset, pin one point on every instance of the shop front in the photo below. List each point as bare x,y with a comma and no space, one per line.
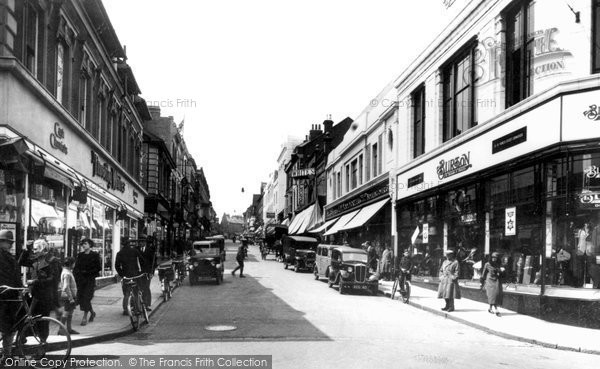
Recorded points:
528,188
366,216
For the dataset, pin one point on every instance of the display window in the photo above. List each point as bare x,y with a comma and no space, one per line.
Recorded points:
12,205
48,209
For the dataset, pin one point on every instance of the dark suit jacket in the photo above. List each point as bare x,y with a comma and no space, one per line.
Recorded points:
148,259
128,262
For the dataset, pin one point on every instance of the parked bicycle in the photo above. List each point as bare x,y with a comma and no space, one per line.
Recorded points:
179,271
135,304
402,285
166,276
37,336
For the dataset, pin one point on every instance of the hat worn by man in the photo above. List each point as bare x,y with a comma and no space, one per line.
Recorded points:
495,254
6,235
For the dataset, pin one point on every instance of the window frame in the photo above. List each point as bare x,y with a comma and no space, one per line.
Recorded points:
450,71
418,110
525,81
595,36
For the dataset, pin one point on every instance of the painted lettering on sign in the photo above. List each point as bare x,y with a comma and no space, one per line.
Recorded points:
56,137
590,199
593,112
456,165
107,173
592,172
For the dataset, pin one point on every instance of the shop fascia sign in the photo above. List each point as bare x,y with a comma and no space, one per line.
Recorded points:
448,168
107,173
303,173
357,201
56,137
589,199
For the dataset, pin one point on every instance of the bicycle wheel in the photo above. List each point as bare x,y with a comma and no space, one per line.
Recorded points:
165,289
406,292
44,337
133,310
143,310
394,288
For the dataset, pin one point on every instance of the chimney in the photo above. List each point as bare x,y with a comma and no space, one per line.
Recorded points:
154,111
328,124
314,132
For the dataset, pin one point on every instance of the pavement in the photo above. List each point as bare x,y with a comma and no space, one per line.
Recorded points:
509,325
110,323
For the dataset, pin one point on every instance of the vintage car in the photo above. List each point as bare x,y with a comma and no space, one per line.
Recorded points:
220,239
323,261
204,262
299,252
349,270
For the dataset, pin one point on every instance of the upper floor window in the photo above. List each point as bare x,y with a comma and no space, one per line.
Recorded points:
339,184
32,36
596,36
520,38
347,170
375,159
418,98
459,93
360,169
354,174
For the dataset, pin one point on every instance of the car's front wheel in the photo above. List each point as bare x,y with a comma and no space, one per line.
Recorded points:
296,268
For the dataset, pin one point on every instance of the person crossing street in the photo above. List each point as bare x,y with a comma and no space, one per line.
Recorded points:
241,254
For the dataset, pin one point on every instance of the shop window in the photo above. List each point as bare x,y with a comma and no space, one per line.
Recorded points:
48,213
595,36
32,37
520,36
459,113
418,98
12,211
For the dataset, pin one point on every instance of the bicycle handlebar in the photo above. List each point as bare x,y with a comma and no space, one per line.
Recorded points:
134,278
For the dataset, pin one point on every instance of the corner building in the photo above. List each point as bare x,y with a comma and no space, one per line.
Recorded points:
501,126
70,129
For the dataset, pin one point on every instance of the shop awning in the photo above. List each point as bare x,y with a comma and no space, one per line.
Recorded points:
324,226
40,210
342,221
286,222
364,215
296,222
310,219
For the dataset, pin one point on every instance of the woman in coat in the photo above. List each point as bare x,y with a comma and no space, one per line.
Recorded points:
448,288
87,268
491,278
386,263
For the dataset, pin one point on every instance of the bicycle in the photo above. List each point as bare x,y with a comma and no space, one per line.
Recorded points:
166,275
37,335
402,281
179,272
135,303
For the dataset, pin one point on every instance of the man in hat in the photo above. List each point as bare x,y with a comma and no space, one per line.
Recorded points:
448,288
9,276
128,264
148,264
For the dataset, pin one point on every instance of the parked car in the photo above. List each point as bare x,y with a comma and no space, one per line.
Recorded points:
349,270
204,262
299,252
220,239
323,261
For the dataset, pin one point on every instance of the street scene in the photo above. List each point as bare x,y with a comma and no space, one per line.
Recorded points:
322,184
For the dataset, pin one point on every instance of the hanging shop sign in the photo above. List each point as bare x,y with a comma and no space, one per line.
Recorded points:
592,172
512,139
56,137
425,233
376,192
303,173
270,215
510,221
589,199
448,168
107,173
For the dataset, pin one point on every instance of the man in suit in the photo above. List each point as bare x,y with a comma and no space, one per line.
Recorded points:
148,252
10,276
128,264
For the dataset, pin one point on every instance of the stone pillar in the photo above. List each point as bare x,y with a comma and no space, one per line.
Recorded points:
8,27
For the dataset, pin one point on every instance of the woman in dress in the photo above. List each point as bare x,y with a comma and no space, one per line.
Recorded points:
448,288
87,267
491,278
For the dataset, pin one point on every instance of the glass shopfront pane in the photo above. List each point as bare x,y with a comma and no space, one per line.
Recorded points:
12,206
48,213
133,230
108,244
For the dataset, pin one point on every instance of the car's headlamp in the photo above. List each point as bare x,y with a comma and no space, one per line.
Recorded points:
350,269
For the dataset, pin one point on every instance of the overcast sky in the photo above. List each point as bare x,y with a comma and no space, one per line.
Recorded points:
246,74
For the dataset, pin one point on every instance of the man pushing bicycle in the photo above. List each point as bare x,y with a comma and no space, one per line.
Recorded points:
9,276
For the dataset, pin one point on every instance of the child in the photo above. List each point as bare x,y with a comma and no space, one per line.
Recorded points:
68,292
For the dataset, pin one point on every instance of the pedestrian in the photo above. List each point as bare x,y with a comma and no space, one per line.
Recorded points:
406,265
491,278
386,263
148,265
87,268
68,294
240,260
128,264
45,274
9,276
371,255
448,288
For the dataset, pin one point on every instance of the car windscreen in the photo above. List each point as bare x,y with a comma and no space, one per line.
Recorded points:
354,256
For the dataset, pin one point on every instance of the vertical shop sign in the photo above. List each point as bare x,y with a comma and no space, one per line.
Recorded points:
445,237
510,221
548,237
426,233
487,233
